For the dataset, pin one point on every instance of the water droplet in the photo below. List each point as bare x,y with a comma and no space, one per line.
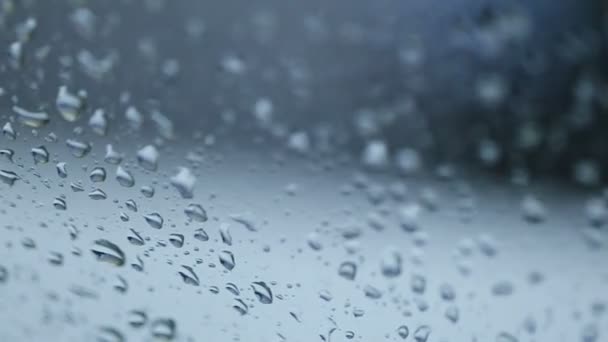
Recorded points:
372,292
121,285
184,182
55,258
112,156
225,234
59,204
533,209
124,177
154,220
69,105
447,292
98,122
147,191
62,170
240,306
31,119
138,265
164,328
8,153
348,270
40,154
98,174
78,149
188,276
505,337
134,117
3,274
325,295
8,131
403,331
452,313
131,205
421,334
137,318
227,260
177,240
262,292
232,288
108,334
314,241
147,157
350,335
196,212
201,235
8,177
391,263
97,194
135,239
107,251
502,288
418,284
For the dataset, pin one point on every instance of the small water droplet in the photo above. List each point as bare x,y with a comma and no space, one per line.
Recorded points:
97,194
177,240
59,204
40,154
196,212
188,276
240,306
147,157
184,182
98,174
164,328
137,318
69,105
227,260
8,177
348,270
403,331
78,149
62,169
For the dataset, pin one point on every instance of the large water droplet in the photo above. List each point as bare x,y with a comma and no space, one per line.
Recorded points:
188,276
97,194
40,154
422,333
240,306
262,292
154,220
98,122
164,328
347,270
8,177
403,331
59,204
107,251
62,170
148,157
78,149
201,235
98,174
124,177
227,260
69,105
196,212
177,240
31,119
184,182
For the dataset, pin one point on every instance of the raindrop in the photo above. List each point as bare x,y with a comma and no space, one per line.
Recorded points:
31,119
262,292
164,328
325,295
533,209
131,205
177,240
134,117
418,284
8,131
135,239
201,235
422,333
8,153
55,258
78,149
108,334
240,306
98,174
154,220
147,191
69,105
348,270
505,337
232,288
76,187
139,265
227,260
40,154
62,170
137,318
8,177
98,122
403,331
314,241
112,156
184,182
97,194
196,212
452,313
59,204
188,276
372,292
107,251
124,177
391,263
147,157
225,234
